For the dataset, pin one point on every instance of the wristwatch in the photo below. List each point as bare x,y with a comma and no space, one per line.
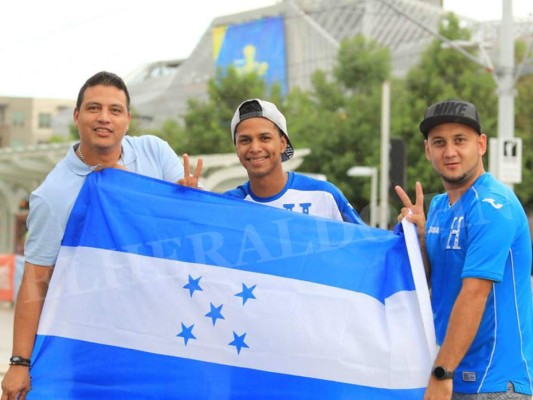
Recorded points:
441,373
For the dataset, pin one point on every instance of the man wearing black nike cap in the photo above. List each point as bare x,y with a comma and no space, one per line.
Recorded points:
478,249
448,111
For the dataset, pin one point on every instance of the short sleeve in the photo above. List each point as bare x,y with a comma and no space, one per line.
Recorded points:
45,233
490,232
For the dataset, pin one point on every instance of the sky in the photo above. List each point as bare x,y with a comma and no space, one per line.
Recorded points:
49,48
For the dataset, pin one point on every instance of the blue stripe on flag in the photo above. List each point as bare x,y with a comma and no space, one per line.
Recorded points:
117,373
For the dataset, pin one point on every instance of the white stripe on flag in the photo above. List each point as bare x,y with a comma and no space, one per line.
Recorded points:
421,285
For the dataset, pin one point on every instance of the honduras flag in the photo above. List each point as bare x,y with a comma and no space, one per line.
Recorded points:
167,292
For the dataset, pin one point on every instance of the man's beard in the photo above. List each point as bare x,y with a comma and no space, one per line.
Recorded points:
456,180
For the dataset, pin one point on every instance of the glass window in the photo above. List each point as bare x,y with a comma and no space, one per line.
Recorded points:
45,120
17,118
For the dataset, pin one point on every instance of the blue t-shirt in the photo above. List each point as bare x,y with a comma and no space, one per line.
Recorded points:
306,195
485,235
52,201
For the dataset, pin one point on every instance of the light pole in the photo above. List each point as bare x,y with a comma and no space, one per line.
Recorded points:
506,91
505,74
385,155
371,172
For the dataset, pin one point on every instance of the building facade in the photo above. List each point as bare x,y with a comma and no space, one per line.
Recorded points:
29,121
289,41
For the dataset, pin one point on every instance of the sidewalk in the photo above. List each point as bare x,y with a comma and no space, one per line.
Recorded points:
6,335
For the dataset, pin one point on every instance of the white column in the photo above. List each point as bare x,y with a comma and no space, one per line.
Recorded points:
385,155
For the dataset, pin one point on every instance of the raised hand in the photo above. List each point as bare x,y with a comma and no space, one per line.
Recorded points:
188,179
413,212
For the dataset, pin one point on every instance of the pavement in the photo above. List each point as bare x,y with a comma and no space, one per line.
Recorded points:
6,334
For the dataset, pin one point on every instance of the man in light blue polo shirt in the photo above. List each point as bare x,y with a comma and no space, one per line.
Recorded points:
102,116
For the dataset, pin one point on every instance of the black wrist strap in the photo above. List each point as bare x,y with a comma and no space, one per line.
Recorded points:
18,360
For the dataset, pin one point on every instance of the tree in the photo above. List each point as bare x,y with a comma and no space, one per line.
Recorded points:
442,73
362,63
206,127
524,127
445,73
339,119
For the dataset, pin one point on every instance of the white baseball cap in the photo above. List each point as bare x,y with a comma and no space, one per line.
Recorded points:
260,108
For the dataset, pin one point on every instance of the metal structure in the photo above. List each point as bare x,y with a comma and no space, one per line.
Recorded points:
22,169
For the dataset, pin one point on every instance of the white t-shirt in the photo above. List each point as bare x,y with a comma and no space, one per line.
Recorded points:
306,195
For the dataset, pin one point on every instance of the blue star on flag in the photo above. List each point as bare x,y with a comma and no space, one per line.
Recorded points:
238,342
215,313
193,285
186,333
246,293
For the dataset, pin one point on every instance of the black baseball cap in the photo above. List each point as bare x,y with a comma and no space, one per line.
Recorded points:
451,110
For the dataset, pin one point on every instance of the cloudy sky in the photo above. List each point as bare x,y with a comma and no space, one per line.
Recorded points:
47,53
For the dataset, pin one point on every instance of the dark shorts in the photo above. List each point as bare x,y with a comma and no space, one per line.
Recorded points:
509,395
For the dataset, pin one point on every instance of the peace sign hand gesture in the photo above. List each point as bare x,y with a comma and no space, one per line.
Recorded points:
413,212
188,179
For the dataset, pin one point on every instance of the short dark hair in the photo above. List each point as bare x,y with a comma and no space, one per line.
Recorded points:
104,78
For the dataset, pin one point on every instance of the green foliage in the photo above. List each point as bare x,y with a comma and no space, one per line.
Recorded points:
442,73
58,139
524,130
524,126
72,135
362,63
339,119
73,131
135,128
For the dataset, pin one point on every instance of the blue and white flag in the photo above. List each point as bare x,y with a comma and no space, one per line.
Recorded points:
166,292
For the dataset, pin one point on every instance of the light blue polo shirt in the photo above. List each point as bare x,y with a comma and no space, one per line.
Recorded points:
52,202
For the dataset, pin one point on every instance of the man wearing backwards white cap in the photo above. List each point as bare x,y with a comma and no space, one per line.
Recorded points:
259,132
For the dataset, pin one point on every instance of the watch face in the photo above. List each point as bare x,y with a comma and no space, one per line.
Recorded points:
442,373
439,372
